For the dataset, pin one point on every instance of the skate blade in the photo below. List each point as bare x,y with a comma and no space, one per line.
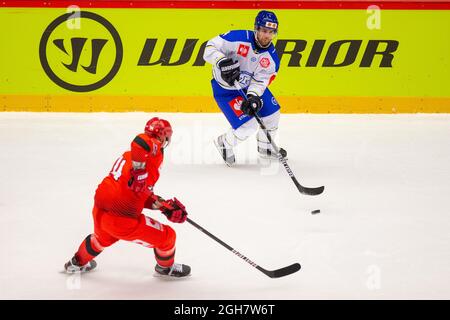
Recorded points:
75,272
169,278
266,157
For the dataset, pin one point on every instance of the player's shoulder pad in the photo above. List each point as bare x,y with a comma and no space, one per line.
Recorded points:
149,144
237,36
142,141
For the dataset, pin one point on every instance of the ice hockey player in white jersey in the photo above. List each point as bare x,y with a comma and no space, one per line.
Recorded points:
247,56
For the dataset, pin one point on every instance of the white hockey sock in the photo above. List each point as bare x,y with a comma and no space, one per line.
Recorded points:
263,142
231,139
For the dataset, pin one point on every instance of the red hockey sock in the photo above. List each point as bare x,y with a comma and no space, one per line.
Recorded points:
88,250
165,258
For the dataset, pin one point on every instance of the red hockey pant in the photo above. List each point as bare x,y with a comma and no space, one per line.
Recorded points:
109,228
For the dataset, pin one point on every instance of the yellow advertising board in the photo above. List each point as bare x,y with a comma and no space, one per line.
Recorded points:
147,59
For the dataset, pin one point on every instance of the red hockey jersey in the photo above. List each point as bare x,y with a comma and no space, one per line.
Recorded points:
113,193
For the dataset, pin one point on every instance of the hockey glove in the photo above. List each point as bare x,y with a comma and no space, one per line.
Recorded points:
138,180
153,202
174,210
229,70
252,105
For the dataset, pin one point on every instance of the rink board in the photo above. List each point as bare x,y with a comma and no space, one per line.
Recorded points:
348,60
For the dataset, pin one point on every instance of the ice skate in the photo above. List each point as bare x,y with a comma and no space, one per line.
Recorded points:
72,266
225,152
177,270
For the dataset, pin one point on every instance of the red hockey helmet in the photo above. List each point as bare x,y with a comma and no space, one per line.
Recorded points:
160,129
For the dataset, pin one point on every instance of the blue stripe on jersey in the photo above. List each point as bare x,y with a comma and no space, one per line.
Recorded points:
273,53
237,36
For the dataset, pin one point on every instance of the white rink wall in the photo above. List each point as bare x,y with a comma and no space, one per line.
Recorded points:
383,230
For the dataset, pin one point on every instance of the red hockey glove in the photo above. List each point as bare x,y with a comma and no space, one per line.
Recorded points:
174,210
138,180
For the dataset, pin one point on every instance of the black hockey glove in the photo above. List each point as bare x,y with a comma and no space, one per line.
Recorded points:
252,105
229,70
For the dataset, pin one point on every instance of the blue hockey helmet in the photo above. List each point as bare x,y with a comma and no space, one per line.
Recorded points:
266,19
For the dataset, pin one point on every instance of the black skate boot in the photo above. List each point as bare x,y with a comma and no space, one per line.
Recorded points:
177,270
269,154
72,266
226,153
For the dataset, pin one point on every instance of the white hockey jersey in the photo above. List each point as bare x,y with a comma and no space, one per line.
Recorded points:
258,66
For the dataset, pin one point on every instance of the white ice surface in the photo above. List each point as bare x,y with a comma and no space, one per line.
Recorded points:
383,231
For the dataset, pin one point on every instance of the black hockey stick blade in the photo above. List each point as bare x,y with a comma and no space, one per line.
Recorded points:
309,191
303,190
270,273
281,272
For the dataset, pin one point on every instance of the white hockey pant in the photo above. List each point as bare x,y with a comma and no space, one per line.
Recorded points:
234,136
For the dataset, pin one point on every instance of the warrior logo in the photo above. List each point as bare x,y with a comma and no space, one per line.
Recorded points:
96,47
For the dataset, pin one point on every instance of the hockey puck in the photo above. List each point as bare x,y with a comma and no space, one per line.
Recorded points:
315,211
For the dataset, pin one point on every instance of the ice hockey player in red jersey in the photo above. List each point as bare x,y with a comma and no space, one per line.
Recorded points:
120,199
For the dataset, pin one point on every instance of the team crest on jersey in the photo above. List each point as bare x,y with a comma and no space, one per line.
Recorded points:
235,105
152,223
264,62
243,50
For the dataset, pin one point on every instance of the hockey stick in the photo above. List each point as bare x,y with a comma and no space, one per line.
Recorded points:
304,190
270,273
